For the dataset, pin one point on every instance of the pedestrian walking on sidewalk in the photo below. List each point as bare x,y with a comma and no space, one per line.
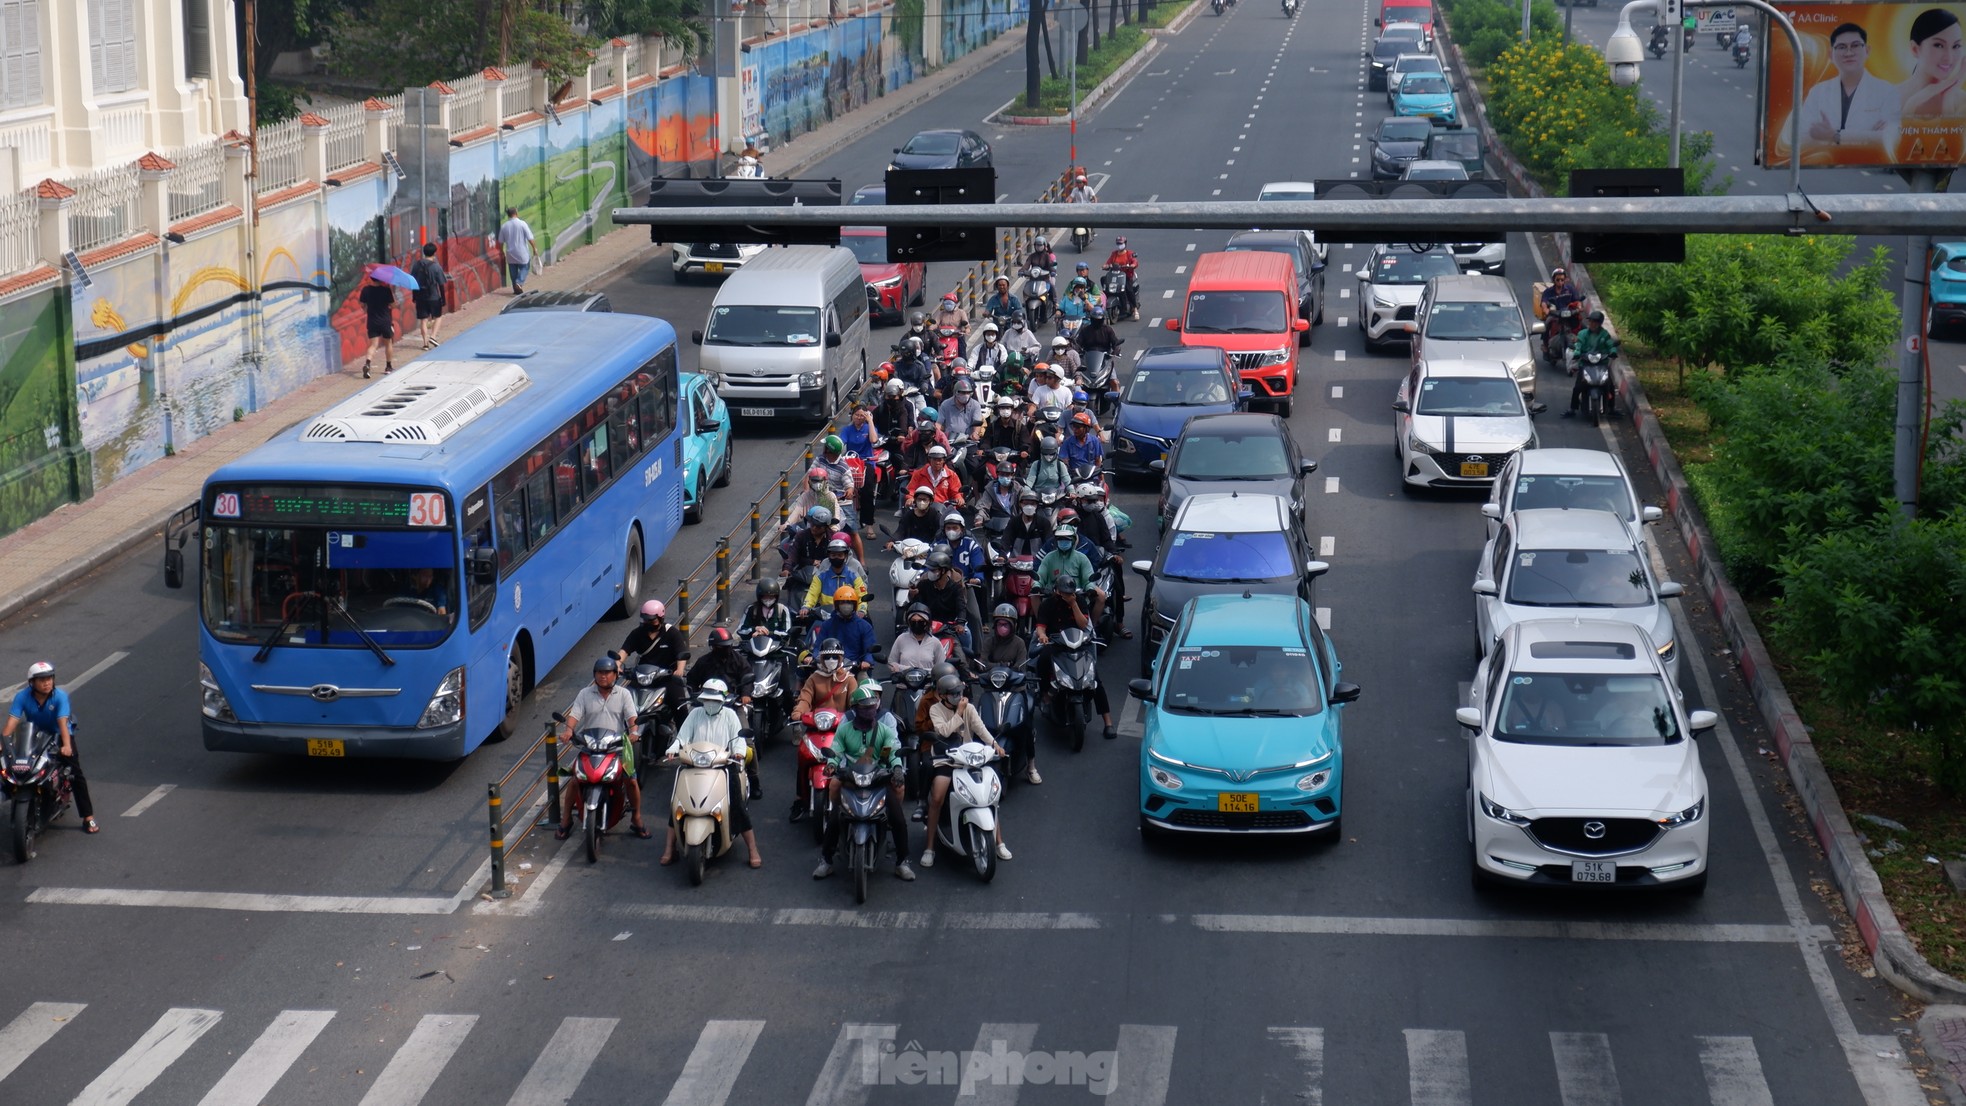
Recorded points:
379,306
429,295
515,245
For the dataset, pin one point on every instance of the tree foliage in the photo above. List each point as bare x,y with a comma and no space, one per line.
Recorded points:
401,43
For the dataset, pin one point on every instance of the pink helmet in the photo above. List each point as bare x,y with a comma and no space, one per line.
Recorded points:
816,473
653,609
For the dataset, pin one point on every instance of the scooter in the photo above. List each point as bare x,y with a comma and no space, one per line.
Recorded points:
814,744
1003,702
749,168
1039,295
653,716
33,779
1067,696
770,690
1743,53
1661,41
1289,9
1217,5
910,564
1017,575
700,805
1686,45
1116,286
1081,238
968,825
863,808
1596,369
948,344
904,700
1563,331
1096,377
603,785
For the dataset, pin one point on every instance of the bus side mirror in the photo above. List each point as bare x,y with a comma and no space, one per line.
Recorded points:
178,530
484,565
173,568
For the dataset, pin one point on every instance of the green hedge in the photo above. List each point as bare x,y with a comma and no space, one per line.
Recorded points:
1055,93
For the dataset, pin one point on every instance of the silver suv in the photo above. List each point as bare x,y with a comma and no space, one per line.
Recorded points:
1477,318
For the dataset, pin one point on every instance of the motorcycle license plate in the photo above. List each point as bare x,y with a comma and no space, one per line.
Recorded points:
756,412
713,266
1236,802
1474,468
325,747
1593,871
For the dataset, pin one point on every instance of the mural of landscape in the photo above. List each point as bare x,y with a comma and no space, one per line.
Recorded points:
38,430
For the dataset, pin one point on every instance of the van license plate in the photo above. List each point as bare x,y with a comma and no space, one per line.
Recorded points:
713,266
1474,468
756,412
1593,871
1236,802
325,747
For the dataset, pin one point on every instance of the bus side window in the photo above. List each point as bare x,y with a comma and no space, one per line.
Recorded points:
596,466
621,436
480,595
539,505
509,500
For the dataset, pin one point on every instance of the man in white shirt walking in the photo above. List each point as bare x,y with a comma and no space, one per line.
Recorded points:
515,243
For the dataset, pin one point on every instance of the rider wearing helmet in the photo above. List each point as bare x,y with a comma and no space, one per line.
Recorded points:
43,706
1046,390
723,661
1559,296
846,625
895,416
840,569
1049,473
1065,359
1082,449
960,414
1594,339
830,685
1002,644
1098,334
766,615
1029,530
916,647
711,722
654,641
865,736
604,705
966,551
945,594
839,479
953,720
1065,607
938,477
1124,259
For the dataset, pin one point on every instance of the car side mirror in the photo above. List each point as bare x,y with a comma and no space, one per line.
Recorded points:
833,340
1317,264
1537,407
1671,590
897,149
1362,274
1484,587
1144,568
1537,328
696,336
1650,514
1700,721
1173,325
1158,464
1492,510
1402,407
1344,693
1142,690
1306,467
708,426
1316,568
1469,717
1301,325
1247,392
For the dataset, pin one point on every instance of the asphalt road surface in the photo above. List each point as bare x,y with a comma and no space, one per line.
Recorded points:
250,929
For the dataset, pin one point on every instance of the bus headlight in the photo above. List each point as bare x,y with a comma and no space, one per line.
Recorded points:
447,706
212,700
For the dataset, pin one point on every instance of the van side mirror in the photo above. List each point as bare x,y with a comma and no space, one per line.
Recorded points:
696,336
833,340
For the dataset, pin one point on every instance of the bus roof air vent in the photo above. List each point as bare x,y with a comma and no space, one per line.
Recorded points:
425,402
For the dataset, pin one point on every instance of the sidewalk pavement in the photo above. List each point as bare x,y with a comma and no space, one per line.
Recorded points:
39,560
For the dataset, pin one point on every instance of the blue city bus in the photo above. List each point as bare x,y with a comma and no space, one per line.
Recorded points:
391,577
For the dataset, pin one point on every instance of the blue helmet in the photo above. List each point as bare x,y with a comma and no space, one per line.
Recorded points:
1080,396
1098,311
931,414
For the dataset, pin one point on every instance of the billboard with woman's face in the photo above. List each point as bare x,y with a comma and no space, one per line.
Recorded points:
1882,85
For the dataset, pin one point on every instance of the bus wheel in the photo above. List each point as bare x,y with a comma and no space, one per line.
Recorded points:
515,693
631,579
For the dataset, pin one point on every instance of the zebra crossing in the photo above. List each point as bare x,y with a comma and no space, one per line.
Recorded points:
866,1063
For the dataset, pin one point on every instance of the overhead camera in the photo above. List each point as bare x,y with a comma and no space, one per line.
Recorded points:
1623,54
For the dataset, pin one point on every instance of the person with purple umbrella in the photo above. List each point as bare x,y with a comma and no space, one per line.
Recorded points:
378,301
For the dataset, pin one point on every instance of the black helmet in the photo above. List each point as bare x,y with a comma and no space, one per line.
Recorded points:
940,559
1596,316
607,664
770,586
1004,610
831,646
919,318
950,686
917,609
942,672
720,638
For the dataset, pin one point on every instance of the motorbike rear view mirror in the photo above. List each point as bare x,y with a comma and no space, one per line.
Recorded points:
1142,690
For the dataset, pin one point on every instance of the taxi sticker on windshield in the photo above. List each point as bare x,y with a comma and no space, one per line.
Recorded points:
800,339
1293,652
1525,559
1523,681
1427,385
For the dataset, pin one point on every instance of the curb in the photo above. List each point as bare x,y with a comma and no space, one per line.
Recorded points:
1180,22
1110,86
1893,954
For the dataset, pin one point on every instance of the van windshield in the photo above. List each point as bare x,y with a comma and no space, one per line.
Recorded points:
747,325
1236,313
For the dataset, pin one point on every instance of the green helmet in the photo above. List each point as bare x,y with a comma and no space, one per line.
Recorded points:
833,444
861,695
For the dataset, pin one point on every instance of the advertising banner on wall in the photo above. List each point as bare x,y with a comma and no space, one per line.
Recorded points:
1882,86
749,103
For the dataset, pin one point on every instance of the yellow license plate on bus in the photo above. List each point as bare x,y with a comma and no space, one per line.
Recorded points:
1474,468
1236,802
325,747
713,266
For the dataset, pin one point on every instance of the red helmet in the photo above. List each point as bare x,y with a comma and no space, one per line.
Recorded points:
720,638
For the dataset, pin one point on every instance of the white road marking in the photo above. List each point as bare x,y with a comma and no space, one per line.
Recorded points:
981,1085
1179,269
1141,1066
1733,1071
1345,293
1327,545
1345,268
1334,434
1723,933
1222,176
420,1060
160,1046
1585,1074
1306,1046
556,1074
1168,294
1331,485
244,901
1155,198
1437,1067
1001,198
713,1065
1338,390
150,800
1153,324
853,1067
1191,247
34,1027
1344,321
1324,619
1337,355
1215,192
253,1076
1108,163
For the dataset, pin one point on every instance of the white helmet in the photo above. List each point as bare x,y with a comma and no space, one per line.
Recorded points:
39,669
1061,340
713,693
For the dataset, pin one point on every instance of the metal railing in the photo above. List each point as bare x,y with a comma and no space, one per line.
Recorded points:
105,207
502,815
636,60
279,156
197,185
20,231
347,124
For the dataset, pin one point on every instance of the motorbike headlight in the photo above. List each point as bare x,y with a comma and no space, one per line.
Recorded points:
1315,780
1163,779
1689,815
1501,813
1415,445
447,705
702,758
212,700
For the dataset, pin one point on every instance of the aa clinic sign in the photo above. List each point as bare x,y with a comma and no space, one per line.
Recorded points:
1882,86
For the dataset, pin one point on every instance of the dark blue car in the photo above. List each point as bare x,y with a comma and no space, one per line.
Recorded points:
1168,386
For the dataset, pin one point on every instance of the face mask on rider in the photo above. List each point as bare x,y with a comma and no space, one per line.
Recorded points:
829,664
713,709
918,627
954,534
844,610
1003,628
1029,509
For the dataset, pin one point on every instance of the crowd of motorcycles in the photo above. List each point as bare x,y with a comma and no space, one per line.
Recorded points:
1738,43
992,523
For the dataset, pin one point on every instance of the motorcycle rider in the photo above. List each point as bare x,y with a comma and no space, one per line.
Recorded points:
1124,259
946,596
1061,609
43,706
1049,473
830,685
768,616
1029,532
936,476
1003,645
1064,560
807,545
859,437
917,647
839,571
1046,389
895,415
818,491
990,352
998,497
1041,256
1081,191
1020,340
965,551
914,448
1594,339
1099,334
960,414
724,662
953,720
655,641
922,521
605,705
1005,430
1080,299
1096,533
712,723
913,364
1743,38
1065,359
1002,305
864,736
849,629
1083,452
839,478
1559,295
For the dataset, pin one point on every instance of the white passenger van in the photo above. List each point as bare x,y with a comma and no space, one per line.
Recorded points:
787,334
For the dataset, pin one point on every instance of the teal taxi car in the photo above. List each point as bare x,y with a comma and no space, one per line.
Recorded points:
1428,95
1243,722
707,448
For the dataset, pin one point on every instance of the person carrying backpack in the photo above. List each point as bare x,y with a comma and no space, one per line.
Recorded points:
429,294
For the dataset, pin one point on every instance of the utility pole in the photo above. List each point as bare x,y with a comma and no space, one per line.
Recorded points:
1907,458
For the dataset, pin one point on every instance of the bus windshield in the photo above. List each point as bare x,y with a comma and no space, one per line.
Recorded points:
308,587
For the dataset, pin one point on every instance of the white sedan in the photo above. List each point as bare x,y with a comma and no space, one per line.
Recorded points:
1582,768
1457,423
1587,478
1556,563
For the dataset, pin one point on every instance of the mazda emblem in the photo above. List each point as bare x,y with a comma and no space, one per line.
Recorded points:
1594,830
325,693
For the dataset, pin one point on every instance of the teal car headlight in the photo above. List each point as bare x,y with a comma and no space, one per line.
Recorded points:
1315,781
1163,779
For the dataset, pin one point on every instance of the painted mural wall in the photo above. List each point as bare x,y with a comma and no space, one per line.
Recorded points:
39,435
